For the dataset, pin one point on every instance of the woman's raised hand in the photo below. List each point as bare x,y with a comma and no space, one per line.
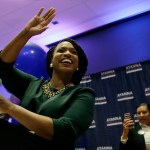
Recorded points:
38,23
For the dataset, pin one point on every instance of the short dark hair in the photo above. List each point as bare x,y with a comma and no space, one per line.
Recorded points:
143,104
83,61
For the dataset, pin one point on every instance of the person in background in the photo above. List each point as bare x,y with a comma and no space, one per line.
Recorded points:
52,113
136,136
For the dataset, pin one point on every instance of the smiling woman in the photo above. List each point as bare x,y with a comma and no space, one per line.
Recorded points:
52,111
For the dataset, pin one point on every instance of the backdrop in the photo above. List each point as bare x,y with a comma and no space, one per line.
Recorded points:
117,91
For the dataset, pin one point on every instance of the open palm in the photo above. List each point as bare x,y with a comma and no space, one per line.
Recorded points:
38,23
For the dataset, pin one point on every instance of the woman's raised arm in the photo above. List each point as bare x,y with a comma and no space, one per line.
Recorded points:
35,26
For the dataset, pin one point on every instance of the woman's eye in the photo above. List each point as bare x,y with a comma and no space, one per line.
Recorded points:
74,52
61,50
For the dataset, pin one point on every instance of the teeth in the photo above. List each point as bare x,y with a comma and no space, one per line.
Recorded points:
67,61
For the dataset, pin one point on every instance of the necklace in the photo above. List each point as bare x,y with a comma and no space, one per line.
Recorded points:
47,90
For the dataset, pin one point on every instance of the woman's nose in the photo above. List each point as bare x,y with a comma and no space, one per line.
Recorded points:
67,53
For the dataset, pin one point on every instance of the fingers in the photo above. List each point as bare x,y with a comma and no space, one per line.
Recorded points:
40,11
128,124
49,13
47,17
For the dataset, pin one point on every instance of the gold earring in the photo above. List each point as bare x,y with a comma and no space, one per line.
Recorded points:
51,65
77,69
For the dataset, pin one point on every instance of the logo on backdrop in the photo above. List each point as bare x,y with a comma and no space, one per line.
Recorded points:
104,148
114,121
125,96
93,124
86,79
100,100
147,91
79,148
108,74
133,68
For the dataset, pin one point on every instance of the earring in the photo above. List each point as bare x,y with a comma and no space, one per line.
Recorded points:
51,65
77,69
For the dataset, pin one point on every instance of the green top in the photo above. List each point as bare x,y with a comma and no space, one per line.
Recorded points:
71,110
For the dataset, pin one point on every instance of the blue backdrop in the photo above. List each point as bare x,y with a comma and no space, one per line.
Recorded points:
118,91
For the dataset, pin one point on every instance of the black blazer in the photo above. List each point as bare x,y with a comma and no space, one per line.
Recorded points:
135,141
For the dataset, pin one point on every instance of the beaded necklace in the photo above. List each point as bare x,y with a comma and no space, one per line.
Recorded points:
49,92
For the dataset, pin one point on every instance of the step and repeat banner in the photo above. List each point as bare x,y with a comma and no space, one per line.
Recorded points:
118,91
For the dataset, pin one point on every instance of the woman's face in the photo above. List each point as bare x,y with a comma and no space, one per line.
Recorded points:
143,115
65,58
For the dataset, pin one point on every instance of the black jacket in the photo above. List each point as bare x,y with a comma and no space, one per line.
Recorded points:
135,140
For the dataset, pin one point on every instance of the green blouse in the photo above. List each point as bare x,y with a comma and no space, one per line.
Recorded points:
72,110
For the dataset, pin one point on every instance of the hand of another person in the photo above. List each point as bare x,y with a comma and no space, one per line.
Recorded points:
38,23
5,105
128,124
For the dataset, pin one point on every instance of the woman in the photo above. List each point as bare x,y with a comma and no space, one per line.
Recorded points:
137,135
52,113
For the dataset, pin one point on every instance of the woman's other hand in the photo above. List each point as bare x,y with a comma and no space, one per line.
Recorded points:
5,105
